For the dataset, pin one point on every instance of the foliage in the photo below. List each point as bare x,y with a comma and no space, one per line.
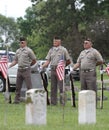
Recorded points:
8,30
99,31
72,20
40,47
53,18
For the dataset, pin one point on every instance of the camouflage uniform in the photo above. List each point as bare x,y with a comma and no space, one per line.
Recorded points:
53,56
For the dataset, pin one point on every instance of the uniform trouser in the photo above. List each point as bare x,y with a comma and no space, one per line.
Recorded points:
88,81
22,75
55,83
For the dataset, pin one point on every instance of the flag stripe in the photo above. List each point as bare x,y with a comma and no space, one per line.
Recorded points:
107,70
60,69
4,66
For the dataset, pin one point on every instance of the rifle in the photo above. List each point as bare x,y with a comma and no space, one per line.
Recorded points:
45,84
102,94
73,91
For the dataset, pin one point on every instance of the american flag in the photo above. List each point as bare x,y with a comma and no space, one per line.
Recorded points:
60,68
107,69
4,65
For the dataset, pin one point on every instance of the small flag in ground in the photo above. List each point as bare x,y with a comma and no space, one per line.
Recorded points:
60,68
107,70
4,65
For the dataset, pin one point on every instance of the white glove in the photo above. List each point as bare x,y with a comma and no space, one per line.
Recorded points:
41,69
73,71
102,71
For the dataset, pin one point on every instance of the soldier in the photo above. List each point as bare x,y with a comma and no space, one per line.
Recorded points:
87,61
52,58
25,58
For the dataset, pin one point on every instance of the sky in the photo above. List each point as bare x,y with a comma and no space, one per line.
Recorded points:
14,8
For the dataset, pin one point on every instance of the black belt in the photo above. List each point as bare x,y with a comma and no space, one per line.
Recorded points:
87,70
34,71
23,69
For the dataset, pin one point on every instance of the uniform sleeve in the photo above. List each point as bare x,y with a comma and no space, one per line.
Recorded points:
79,58
48,57
31,54
98,56
16,56
67,54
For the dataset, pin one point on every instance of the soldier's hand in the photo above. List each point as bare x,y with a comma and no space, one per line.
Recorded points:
41,69
102,71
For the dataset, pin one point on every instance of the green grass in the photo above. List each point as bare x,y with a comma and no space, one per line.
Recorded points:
12,117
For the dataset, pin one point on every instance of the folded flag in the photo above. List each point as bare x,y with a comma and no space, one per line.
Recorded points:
60,68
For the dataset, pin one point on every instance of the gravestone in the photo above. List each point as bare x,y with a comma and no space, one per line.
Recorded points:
87,107
36,107
35,79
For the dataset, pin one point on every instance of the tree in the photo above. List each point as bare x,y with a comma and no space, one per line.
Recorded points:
8,30
99,31
49,18
70,19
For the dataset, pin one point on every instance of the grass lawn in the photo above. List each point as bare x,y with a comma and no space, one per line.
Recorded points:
12,117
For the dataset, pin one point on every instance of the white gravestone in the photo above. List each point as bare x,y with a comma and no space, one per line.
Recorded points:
87,107
36,106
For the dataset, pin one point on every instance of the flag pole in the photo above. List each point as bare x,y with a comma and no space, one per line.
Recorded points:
63,93
60,70
64,98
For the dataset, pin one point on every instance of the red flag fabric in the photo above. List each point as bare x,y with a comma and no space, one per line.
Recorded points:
4,65
107,70
60,68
